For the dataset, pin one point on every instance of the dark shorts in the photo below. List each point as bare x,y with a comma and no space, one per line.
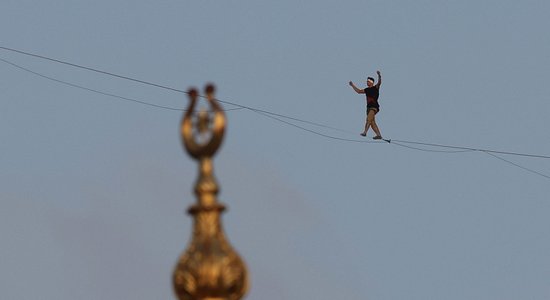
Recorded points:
376,109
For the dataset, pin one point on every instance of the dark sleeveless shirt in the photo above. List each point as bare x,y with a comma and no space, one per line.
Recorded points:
372,94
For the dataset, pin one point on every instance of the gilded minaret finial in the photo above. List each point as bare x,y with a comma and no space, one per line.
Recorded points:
209,269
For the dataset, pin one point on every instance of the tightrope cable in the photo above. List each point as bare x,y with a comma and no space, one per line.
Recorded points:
313,131
473,149
157,85
95,90
429,150
269,114
517,165
94,70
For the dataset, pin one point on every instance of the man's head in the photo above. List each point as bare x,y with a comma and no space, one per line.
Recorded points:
370,81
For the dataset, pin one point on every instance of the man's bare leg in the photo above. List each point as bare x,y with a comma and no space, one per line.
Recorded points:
367,125
375,128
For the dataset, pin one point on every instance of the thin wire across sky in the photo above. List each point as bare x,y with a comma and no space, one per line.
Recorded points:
285,119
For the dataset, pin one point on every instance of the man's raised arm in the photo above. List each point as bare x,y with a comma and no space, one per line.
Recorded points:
357,90
379,78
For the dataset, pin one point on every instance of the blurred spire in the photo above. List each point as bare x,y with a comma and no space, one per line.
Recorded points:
210,269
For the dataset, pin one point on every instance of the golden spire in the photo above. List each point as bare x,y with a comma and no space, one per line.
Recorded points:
209,269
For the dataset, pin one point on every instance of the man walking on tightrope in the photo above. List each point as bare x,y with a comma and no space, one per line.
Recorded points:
371,92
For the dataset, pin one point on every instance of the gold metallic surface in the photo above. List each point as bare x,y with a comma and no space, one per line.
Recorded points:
209,269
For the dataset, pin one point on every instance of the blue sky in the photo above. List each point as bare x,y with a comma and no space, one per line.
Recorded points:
93,189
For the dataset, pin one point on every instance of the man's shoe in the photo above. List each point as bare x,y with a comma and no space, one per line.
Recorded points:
378,137
363,133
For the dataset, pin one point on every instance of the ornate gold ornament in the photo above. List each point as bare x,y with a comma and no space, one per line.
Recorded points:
210,269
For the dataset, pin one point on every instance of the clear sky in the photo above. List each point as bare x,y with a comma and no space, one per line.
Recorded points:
93,189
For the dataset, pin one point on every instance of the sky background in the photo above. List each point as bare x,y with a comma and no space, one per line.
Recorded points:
93,189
